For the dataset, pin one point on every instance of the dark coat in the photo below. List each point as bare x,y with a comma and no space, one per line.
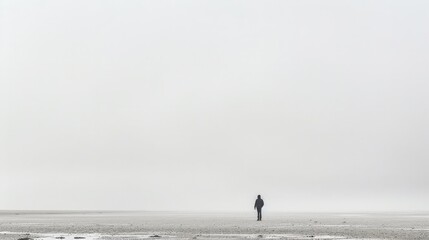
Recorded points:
259,203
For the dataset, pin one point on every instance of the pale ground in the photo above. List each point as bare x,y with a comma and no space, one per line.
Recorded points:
204,226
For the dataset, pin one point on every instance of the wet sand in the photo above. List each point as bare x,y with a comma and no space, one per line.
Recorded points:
56,225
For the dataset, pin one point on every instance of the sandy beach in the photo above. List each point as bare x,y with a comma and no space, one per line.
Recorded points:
186,225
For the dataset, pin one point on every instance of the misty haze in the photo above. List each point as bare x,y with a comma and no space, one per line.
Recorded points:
166,119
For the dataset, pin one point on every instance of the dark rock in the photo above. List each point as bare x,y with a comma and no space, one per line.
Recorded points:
79,237
25,238
155,236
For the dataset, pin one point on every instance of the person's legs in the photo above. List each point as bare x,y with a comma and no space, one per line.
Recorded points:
259,214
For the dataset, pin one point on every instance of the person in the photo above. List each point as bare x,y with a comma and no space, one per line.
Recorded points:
259,203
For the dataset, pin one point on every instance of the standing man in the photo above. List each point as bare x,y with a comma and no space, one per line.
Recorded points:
259,203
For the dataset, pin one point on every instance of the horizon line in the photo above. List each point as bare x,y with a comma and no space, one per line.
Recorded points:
208,211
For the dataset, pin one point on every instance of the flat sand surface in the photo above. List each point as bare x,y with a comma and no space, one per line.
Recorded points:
56,225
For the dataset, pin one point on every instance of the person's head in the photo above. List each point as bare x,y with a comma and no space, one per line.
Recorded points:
259,196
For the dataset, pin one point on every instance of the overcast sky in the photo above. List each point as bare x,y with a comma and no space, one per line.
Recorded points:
202,105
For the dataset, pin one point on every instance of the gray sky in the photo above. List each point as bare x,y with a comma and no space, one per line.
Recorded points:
202,105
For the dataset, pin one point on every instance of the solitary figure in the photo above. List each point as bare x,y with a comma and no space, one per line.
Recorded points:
259,203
